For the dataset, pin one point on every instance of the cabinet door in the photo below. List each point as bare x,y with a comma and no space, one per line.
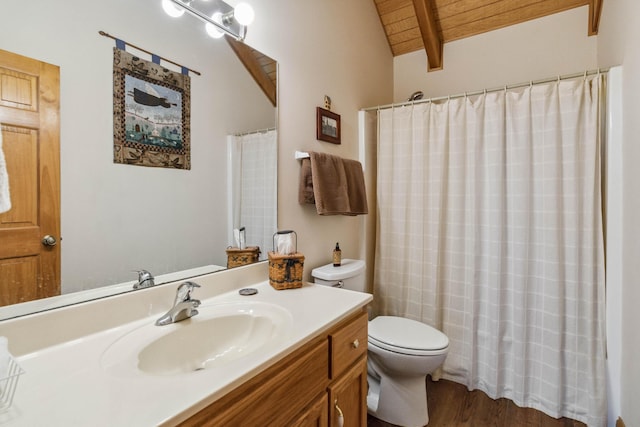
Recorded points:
348,397
316,415
273,397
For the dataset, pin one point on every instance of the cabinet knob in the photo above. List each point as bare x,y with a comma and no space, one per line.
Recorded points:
355,343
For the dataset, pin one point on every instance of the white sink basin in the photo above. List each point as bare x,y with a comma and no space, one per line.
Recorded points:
218,335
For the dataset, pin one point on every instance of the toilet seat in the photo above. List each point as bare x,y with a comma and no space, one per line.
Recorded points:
406,336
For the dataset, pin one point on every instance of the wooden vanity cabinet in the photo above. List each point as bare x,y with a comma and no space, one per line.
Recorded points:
348,372
316,415
309,388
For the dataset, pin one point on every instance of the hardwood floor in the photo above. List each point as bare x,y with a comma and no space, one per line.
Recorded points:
452,405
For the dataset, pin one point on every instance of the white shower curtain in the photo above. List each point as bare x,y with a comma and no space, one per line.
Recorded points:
254,186
490,229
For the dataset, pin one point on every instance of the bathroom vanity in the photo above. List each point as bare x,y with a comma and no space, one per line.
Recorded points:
292,357
316,385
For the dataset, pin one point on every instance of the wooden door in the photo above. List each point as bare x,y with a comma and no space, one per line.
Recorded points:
30,123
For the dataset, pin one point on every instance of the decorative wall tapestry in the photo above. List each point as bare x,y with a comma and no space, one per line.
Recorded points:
151,111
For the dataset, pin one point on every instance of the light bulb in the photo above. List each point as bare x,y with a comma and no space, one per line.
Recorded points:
171,9
244,14
212,30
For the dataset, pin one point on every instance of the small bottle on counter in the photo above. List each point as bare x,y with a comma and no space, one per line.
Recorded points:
337,256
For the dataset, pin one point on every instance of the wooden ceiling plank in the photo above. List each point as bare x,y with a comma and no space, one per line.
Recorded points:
270,69
515,8
403,36
457,28
398,15
430,35
595,11
462,7
402,26
473,17
250,62
407,47
457,19
471,3
388,6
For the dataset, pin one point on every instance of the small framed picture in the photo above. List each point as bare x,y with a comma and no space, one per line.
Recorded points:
327,126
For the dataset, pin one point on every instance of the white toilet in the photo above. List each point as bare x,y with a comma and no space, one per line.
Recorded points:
401,354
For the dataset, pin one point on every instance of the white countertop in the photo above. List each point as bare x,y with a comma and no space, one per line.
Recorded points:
65,384
20,309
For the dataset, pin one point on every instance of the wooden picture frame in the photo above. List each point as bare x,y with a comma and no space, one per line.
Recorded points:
327,126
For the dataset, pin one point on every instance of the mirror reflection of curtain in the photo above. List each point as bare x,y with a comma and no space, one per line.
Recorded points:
253,160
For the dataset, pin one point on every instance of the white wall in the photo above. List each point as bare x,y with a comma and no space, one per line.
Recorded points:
538,49
617,44
328,47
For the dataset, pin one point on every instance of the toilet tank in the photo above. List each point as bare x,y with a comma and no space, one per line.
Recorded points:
349,275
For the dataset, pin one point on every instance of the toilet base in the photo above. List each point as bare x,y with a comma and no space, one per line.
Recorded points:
398,401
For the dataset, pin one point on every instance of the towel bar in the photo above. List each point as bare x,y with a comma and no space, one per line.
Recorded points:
301,155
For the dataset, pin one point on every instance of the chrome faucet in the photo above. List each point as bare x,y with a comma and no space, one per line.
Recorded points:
145,280
183,307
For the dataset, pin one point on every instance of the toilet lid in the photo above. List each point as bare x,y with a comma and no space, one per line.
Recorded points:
404,333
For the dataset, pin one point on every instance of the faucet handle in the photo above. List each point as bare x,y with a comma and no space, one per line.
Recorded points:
184,291
144,275
145,279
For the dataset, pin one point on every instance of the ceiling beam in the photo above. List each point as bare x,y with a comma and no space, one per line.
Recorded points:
430,35
595,11
251,63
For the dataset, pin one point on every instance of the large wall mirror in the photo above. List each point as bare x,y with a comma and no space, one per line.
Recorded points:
117,219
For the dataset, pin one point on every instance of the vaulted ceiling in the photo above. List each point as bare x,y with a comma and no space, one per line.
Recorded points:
412,25
263,69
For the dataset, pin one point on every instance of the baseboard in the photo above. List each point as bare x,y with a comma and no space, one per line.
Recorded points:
620,423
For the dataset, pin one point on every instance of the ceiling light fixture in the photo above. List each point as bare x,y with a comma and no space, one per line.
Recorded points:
219,17
244,14
171,9
212,30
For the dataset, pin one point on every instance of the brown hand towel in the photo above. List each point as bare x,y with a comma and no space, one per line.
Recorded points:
355,187
305,187
329,184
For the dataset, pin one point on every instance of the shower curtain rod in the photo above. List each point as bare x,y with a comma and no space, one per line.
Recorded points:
254,132
497,89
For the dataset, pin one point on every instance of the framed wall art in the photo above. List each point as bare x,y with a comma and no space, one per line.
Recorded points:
151,114
327,126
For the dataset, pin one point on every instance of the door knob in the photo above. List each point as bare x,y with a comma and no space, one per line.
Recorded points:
49,240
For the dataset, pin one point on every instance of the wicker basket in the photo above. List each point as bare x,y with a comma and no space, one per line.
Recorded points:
285,271
237,257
